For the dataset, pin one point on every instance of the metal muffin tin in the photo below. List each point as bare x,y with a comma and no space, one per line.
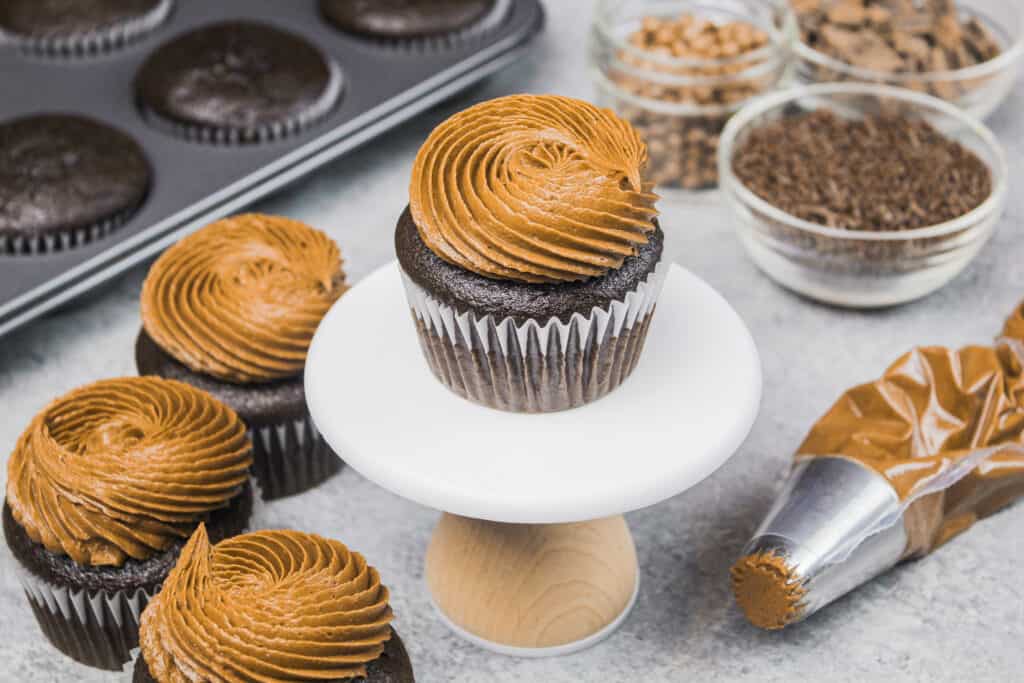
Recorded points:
385,83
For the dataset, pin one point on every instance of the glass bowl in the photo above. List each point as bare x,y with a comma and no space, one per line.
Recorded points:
861,269
978,89
680,105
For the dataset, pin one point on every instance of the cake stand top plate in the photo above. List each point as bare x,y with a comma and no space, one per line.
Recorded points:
688,406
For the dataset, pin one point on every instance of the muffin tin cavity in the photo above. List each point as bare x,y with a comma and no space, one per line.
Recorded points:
226,101
78,27
415,24
65,181
237,82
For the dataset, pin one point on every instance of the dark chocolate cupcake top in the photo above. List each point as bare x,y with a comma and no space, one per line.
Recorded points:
267,606
124,467
241,299
534,189
404,18
70,19
246,78
60,173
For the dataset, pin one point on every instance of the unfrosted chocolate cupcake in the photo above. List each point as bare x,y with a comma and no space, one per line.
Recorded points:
232,310
103,489
62,27
65,181
271,606
237,82
531,252
403,19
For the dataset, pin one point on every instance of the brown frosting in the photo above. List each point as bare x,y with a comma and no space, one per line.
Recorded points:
1014,328
534,189
768,590
267,606
932,409
123,467
240,299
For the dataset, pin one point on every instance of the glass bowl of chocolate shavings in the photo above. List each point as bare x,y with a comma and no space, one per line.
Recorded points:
861,195
966,52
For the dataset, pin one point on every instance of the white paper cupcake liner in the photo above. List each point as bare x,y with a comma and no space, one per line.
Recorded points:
96,628
218,135
536,366
291,457
95,42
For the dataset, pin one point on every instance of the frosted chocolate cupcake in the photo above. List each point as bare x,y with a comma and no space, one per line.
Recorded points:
65,181
530,252
237,82
103,490
403,19
231,310
271,606
59,27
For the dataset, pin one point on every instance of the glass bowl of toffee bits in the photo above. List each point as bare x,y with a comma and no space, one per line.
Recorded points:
964,51
678,69
861,195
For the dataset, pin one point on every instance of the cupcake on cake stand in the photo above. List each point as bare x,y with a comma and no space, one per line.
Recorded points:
532,556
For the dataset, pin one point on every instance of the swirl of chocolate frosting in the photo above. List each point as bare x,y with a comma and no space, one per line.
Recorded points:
240,299
534,189
123,467
267,606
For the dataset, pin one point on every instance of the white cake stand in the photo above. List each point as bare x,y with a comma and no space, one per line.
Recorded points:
532,556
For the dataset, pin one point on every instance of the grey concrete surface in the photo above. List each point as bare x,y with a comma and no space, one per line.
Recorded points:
957,615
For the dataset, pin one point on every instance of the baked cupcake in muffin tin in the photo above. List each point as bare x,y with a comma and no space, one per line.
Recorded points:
531,252
232,309
104,488
405,19
66,181
60,27
237,82
271,606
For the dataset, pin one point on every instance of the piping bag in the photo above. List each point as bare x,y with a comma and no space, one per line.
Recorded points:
896,468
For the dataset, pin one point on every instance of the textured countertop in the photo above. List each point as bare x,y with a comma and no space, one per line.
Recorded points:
956,615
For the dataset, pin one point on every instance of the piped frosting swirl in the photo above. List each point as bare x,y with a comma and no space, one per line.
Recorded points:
534,189
124,467
241,299
267,606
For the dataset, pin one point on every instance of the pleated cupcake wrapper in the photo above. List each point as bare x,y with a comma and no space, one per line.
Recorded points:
479,30
291,457
95,42
214,135
20,245
97,628
535,366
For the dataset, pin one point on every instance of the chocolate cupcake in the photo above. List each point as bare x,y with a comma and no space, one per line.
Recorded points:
65,181
103,490
530,252
271,606
59,27
405,19
237,82
232,310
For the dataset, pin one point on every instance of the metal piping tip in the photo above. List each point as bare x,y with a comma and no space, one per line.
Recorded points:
836,525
